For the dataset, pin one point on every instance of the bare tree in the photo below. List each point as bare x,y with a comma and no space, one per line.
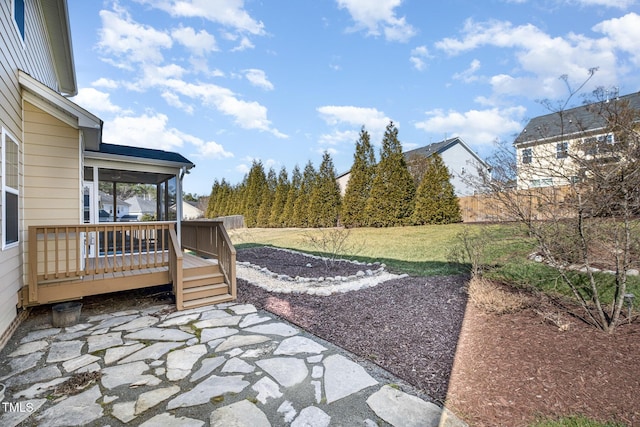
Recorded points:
575,184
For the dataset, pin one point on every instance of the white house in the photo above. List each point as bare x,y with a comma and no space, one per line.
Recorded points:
548,144
461,161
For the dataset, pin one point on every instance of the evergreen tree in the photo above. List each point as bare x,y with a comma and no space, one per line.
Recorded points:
256,182
267,199
279,199
214,202
286,219
301,206
324,203
392,191
359,185
436,202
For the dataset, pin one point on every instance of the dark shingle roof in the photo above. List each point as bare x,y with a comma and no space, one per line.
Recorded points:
575,120
145,153
428,150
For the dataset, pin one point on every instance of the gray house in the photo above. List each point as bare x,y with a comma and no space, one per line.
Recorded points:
461,161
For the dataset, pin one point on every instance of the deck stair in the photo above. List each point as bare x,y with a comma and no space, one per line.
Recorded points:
203,283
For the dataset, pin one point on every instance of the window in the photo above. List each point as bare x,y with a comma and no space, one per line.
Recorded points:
543,182
527,155
10,194
562,150
18,16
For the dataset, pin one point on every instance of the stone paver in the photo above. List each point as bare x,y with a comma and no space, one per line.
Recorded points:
224,365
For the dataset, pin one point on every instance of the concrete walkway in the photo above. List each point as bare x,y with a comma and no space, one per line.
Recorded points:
224,365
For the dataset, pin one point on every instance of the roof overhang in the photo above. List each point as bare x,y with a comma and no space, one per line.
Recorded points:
61,108
56,19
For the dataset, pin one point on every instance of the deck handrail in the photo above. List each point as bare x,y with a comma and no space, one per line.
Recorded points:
210,238
175,265
67,252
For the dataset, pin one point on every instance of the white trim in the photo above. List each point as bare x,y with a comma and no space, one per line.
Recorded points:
85,118
6,189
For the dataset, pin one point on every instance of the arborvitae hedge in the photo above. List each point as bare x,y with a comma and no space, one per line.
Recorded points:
301,206
359,185
294,188
279,199
324,203
436,202
268,193
392,192
252,198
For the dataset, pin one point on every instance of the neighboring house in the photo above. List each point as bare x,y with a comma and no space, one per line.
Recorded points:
53,246
546,145
190,210
463,164
140,207
105,203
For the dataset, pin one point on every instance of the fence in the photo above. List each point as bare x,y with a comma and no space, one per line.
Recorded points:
538,203
231,222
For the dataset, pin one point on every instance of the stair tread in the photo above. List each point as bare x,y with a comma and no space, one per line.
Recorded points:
204,288
207,301
200,277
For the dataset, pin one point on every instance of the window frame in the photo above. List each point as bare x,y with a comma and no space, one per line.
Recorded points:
527,156
20,24
562,150
7,138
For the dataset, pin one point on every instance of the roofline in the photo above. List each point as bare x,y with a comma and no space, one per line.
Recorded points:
62,108
56,20
89,154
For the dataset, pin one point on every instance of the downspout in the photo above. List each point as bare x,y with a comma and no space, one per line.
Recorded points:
183,172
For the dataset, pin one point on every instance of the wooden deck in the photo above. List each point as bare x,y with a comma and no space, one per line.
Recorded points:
60,270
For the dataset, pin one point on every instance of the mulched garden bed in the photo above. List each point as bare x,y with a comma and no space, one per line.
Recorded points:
492,370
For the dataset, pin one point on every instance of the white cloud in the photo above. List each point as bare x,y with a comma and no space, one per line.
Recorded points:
540,58
199,43
418,56
247,114
468,75
94,100
378,18
244,44
624,33
151,130
618,4
480,126
339,137
148,130
347,121
130,41
370,118
105,83
175,101
258,78
229,13
243,168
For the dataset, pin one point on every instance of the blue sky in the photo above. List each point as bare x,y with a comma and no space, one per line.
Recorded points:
224,82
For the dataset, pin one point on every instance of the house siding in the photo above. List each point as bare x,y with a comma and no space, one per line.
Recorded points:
460,163
52,189
35,58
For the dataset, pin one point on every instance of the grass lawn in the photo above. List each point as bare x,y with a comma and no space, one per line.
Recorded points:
424,251
420,250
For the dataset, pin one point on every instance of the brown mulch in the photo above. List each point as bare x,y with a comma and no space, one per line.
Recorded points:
492,370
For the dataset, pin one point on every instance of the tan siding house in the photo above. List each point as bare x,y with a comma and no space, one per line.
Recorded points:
52,162
32,54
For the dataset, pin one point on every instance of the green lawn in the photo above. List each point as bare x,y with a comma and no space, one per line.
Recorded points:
423,251
420,250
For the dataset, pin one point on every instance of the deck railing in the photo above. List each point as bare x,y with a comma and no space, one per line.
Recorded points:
58,253
209,238
175,265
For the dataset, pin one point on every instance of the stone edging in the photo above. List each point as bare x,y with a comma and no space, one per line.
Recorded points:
323,286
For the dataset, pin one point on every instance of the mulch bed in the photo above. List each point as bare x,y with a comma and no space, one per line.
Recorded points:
506,370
